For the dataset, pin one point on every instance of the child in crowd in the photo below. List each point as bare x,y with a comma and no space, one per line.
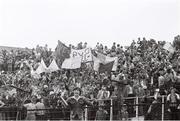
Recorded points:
124,113
101,114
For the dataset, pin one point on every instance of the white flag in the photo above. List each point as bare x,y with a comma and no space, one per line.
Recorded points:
53,66
42,68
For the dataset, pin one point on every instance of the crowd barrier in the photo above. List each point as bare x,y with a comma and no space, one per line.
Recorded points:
136,107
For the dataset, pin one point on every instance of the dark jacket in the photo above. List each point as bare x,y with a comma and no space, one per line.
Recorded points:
77,107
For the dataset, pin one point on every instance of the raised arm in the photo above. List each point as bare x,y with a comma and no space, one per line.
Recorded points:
64,102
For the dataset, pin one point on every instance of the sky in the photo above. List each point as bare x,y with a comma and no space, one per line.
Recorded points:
27,23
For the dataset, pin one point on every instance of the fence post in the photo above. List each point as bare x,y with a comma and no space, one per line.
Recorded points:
163,108
111,110
86,113
137,110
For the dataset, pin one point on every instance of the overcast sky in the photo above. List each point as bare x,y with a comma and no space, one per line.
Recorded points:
26,23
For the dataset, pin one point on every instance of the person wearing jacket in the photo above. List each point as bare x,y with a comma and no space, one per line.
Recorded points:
173,101
154,111
77,104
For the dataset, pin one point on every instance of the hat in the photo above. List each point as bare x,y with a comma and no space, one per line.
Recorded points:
45,86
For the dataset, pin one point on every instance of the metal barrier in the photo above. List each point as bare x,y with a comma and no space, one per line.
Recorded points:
138,106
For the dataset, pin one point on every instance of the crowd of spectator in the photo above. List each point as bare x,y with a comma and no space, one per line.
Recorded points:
143,67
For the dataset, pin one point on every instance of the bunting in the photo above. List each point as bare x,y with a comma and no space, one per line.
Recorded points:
53,66
42,68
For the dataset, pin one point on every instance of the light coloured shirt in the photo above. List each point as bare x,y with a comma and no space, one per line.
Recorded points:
40,105
172,97
31,107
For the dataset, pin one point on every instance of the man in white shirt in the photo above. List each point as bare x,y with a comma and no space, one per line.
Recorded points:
40,113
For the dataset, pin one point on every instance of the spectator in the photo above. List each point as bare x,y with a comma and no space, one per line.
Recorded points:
31,113
124,113
2,116
154,111
40,113
113,48
85,45
101,114
76,104
103,93
173,100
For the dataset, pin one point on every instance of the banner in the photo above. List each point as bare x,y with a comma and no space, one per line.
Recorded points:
104,60
53,66
71,63
84,54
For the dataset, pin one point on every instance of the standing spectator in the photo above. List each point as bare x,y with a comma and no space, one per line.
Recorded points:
103,93
76,104
154,111
80,46
31,113
101,114
124,113
130,92
1,112
40,113
169,78
113,48
173,101
161,83
85,45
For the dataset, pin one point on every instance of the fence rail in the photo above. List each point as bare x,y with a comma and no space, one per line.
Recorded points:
136,108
